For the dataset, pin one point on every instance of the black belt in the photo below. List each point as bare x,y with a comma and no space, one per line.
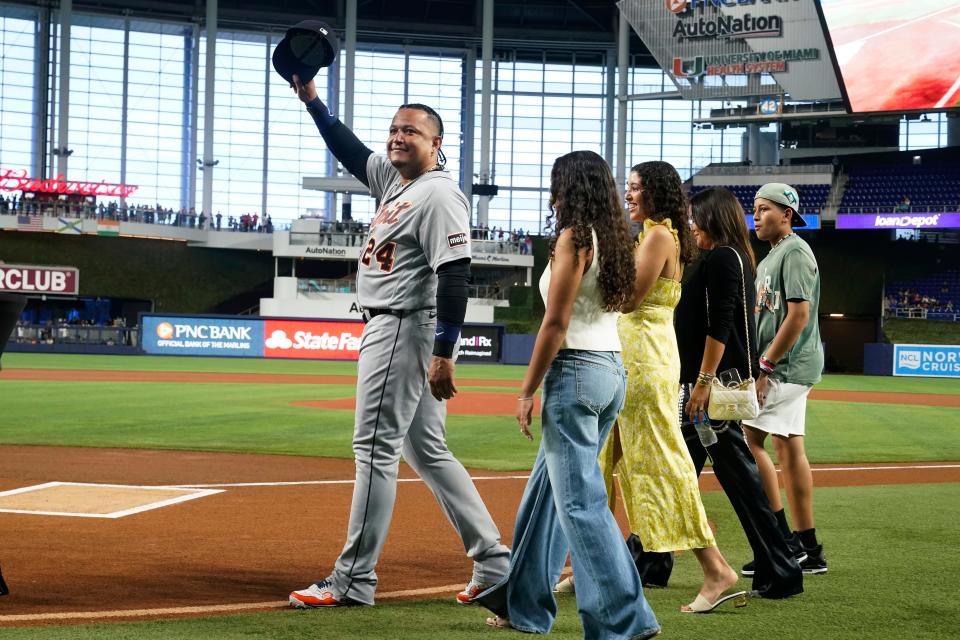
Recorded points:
369,314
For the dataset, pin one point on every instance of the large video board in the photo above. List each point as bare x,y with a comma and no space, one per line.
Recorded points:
893,55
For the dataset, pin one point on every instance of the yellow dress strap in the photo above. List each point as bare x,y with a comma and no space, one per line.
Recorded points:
666,222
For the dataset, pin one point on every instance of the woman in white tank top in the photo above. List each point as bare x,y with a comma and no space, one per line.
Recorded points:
577,358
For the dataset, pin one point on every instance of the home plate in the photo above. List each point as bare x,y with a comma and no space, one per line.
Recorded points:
86,500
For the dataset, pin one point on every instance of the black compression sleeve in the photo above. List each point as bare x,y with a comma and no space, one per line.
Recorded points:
452,279
341,141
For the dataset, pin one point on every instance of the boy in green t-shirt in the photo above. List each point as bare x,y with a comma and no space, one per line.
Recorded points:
791,359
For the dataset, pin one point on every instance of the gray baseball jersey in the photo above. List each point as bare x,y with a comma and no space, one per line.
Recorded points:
418,227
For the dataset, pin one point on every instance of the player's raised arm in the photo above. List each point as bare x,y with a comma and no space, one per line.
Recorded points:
348,149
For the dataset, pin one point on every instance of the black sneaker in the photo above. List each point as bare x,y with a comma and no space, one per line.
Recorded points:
814,563
793,544
796,548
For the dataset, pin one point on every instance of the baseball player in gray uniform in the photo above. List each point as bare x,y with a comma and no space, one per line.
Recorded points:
412,283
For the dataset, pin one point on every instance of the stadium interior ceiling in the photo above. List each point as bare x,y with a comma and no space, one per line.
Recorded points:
548,23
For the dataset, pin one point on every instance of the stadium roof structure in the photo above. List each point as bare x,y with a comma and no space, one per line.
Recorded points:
571,24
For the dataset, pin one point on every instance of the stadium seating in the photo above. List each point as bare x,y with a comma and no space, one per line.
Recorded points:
870,188
935,297
812,196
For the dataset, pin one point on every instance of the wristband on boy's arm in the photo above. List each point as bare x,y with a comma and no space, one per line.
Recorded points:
766,366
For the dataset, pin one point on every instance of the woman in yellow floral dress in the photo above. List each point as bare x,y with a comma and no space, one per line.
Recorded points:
646,449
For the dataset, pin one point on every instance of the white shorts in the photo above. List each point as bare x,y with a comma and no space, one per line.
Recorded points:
784,411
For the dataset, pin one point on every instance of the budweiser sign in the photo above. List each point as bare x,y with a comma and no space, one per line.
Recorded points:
17,180
61,281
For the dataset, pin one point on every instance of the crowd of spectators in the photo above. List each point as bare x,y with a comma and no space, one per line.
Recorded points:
920,302
496,239
148,214
519,241
73,330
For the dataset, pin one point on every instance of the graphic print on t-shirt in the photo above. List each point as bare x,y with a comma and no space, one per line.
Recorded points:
767,297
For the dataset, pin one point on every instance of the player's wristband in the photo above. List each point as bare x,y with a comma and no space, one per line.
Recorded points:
321,115
446,337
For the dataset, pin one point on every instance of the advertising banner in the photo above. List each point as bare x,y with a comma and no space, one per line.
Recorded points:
728,48
199,336
25,279
898,221
285,338
932,361
480,344
312,339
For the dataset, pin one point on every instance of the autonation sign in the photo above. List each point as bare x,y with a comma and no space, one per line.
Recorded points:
933,361
899,221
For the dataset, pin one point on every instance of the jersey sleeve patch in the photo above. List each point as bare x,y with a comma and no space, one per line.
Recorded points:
457,240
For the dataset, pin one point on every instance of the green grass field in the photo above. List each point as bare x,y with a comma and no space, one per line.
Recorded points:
892,566
258,417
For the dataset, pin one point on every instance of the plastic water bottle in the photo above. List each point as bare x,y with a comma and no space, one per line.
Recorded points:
707,435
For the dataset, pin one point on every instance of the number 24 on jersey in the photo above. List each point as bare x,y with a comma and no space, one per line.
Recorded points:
383,255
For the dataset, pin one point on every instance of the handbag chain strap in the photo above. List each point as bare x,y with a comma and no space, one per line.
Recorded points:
746,323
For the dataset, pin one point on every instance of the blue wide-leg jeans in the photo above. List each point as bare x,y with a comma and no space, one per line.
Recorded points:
564,507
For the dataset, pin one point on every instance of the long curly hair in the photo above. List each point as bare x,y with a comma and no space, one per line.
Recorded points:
583,195
664,199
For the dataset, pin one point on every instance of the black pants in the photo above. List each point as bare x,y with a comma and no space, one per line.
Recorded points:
777,574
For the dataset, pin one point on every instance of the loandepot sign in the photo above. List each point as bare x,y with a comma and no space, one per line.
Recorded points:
737,48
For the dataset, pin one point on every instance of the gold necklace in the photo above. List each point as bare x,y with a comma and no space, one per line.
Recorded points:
781,240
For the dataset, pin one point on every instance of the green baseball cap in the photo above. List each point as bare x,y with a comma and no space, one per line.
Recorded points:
783,194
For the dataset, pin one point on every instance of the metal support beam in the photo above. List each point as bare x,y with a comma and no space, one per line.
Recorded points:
124,102
187,158
483,206
611,111
63,152
623,57
210,97
469,79
41,92
194,114
267,65
349,73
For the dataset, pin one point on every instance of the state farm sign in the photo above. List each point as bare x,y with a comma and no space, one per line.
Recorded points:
315,340
60,281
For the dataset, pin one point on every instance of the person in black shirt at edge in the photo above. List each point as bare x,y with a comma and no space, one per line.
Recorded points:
712,339
11,306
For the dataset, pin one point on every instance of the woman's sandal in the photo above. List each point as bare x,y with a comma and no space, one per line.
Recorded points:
499,623
565,586
702,605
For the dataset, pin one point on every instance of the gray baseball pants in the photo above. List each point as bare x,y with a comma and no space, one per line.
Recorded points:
396,412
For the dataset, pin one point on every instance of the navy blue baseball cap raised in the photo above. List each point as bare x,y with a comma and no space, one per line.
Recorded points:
307,47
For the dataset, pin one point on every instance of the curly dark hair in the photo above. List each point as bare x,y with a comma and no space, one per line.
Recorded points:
583,195
664,199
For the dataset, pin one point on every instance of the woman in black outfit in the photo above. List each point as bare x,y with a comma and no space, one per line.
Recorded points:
713,318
